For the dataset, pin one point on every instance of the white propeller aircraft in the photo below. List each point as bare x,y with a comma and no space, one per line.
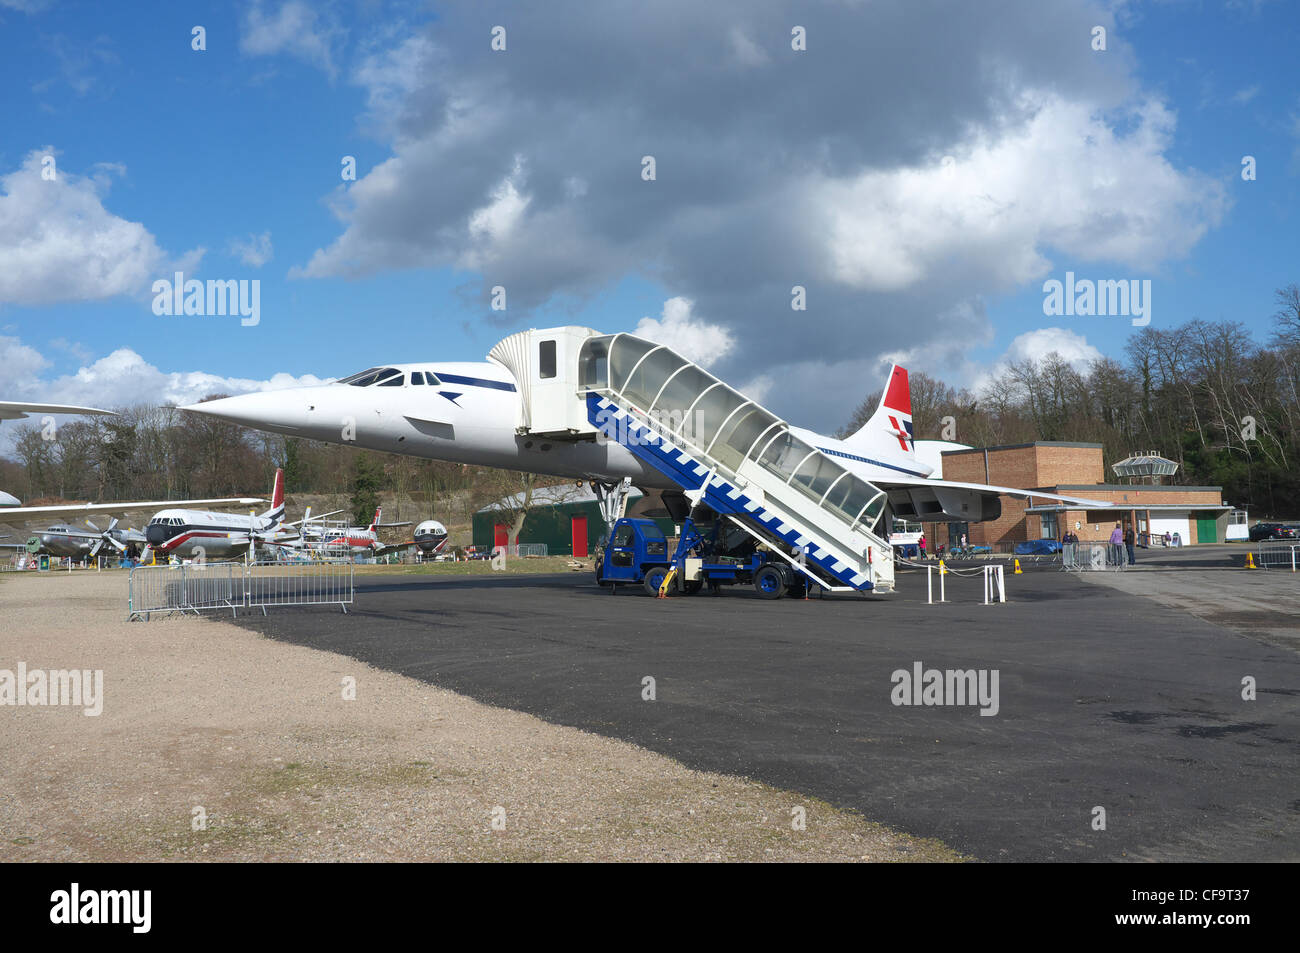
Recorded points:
476,413
62,540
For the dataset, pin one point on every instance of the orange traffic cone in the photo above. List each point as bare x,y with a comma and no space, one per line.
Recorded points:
1250,561
1018,571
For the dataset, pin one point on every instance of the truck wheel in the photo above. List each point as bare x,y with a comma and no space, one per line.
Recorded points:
769,583
654,578
692,587
600,573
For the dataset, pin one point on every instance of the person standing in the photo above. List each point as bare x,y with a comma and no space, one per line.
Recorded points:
1128,544
1116,545
921,544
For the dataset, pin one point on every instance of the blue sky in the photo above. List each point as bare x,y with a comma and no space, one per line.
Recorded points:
200,150
1229,70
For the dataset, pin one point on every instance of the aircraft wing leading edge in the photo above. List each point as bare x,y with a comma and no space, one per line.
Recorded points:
19,410
25,511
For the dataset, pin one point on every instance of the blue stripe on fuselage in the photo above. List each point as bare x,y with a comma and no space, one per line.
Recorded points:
473,381
874,463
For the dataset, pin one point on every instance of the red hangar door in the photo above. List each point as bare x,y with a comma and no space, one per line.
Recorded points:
501,536
578,525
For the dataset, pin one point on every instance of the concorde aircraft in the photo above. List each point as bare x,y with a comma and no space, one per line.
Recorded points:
478,413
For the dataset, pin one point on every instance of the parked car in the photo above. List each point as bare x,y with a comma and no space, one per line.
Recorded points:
1262,531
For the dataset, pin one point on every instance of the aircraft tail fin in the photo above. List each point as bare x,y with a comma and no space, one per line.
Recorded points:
890,427
379,510
276,513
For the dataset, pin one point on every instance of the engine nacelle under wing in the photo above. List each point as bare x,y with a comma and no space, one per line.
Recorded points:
932,503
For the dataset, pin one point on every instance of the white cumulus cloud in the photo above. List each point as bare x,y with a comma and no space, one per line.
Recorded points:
59,243
119,379
255,252
1033,346
1067,180
679,329
295,28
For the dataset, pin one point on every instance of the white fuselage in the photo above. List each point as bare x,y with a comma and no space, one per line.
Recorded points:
471,416
354,540
190,533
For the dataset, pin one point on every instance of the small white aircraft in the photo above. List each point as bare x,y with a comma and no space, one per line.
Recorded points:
476,413
348,540
430,537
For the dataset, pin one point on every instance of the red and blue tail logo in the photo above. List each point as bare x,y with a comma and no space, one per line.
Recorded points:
897,407
889,431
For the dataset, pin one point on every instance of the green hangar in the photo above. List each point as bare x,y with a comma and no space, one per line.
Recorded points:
565,518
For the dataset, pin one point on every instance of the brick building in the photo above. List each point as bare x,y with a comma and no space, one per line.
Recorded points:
1197,514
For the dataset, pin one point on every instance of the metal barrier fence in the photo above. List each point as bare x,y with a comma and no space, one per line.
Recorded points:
1278,556
235,586
1093,557
531,549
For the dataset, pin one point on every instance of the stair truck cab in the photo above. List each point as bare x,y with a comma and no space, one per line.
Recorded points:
638,553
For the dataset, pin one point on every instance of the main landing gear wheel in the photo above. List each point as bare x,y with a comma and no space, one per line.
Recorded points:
654,579
769,583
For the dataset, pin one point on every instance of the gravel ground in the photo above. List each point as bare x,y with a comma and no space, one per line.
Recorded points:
204,714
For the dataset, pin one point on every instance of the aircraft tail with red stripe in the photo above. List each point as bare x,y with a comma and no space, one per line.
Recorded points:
375,522
889,431
276,513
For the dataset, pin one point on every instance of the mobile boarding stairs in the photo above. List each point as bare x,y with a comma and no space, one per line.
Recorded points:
722,450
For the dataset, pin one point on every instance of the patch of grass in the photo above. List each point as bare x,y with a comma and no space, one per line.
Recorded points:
225,832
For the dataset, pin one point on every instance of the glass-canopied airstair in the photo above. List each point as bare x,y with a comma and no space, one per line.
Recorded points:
722,449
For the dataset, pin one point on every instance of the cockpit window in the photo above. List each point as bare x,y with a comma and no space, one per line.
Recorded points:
393,381
368,372
372,375
417,377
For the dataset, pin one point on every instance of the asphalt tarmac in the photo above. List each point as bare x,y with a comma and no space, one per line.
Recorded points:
1106,700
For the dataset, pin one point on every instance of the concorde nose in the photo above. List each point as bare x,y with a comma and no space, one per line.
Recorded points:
281,411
